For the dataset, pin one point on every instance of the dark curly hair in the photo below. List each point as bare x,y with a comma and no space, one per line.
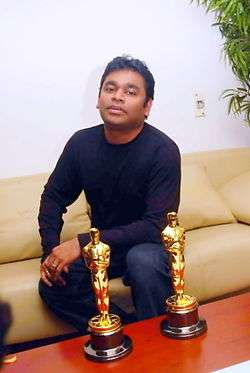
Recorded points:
129,63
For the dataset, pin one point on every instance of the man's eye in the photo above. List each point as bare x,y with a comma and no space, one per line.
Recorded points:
109,89
131,92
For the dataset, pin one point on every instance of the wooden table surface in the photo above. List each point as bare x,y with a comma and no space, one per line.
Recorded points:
226,342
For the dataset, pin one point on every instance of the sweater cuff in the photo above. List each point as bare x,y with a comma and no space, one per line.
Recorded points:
83,239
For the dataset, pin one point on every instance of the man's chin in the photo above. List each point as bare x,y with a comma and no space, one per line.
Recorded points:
121,126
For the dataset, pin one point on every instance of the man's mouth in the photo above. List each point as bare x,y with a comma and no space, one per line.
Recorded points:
113,109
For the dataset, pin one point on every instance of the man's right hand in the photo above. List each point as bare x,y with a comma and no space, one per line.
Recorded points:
58,261
50,277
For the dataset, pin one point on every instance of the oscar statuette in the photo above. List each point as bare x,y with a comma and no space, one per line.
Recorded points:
182,319
107,341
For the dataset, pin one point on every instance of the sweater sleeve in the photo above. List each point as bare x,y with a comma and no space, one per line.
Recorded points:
61,190
162,196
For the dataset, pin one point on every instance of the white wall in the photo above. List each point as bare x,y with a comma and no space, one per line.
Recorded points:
53,53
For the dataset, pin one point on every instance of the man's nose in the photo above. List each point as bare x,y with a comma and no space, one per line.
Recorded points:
118,95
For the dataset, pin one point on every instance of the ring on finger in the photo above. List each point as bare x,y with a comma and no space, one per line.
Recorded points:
47,272
54,265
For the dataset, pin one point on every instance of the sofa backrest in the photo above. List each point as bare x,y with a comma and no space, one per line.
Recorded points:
203,175
220,165
20,196
19,203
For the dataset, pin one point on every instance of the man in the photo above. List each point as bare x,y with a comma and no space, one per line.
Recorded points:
130,172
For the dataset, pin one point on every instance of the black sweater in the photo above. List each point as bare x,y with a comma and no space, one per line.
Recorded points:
129,187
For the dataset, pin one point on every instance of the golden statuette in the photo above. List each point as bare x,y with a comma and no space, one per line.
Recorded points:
173,237
107,341
182,309
97,258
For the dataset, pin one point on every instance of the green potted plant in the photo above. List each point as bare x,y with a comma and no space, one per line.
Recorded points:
233,20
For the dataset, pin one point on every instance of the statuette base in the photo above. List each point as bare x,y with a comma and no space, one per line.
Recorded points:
110,353
185,332
99,326
107,342
182,320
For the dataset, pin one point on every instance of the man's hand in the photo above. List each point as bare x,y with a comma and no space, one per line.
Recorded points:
59,260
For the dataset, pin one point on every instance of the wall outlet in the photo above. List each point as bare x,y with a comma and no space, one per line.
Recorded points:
199,106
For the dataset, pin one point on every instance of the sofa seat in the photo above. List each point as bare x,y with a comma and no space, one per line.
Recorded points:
214,210
32,317
217,260
19,280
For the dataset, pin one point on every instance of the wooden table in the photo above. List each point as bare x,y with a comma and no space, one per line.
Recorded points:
226,342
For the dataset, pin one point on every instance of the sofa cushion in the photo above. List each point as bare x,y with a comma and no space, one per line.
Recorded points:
31,317
200,205
221,165
236,193
217,260
19,201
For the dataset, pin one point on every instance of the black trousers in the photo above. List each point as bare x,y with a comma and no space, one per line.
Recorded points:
144,267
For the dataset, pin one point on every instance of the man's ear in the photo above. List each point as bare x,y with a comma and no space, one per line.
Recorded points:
147,107
97,104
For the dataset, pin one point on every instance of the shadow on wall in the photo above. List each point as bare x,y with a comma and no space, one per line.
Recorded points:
90,97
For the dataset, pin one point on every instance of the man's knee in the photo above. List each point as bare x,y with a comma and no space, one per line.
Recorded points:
146,257
44,290
50,294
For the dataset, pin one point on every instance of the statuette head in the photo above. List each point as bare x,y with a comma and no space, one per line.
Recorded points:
172,219
95,236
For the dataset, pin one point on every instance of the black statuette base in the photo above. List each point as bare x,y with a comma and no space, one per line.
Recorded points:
184,332
102,355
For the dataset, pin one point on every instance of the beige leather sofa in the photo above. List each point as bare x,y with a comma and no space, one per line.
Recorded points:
215,210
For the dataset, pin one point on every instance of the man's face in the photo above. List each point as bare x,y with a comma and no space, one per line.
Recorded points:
122,101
